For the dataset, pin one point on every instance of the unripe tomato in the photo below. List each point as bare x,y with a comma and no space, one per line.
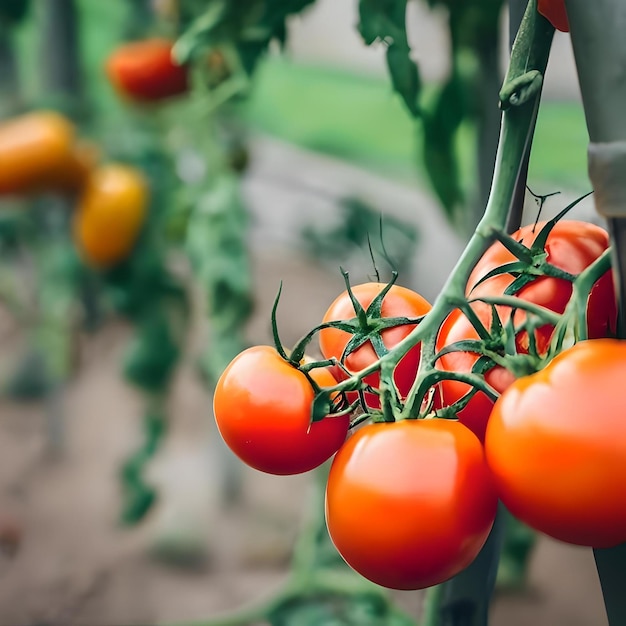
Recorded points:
144,71
556,446
554,11
34,149
110,214
398,302
410,504
262,407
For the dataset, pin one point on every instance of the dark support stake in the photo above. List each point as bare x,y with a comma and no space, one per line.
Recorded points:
597,31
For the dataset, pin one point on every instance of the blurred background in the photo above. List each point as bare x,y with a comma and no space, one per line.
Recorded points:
145,227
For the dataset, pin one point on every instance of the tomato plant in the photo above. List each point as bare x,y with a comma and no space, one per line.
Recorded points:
144,71
571,246
110,214
554,11
409,504
398,302
556,445
262,406
37,153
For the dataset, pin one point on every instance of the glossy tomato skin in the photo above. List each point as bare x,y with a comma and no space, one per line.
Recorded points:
572,246
262,407
475,414
554,11
409,504
110,214
398,302
556,446
144,71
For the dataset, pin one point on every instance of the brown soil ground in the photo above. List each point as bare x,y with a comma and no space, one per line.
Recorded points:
75,565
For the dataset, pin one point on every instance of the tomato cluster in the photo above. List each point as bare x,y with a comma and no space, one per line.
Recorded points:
412,493
41,152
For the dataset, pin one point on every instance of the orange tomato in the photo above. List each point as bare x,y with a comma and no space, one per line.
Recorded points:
410,504
34,149
110,214
556,446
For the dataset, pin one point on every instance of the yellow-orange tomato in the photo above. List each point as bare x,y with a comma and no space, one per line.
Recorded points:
33,150
110,214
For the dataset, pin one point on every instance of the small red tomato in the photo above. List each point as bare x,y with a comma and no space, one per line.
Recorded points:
144,71
409,504
262,406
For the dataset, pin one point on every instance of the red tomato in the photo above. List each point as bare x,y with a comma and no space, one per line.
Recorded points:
398,302
144,71
572,246
409,504
554,11
556,445
262,407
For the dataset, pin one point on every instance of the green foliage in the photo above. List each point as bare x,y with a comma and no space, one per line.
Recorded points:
138,496
217,247
385,21
336,610
441,123
153,354
13,11
360,226
242,31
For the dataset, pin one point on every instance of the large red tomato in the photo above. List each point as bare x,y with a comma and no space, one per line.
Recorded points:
262,406
398,302
409,504
556,445
571,246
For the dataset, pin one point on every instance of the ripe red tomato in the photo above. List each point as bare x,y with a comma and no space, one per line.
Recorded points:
262,406
409,504
572,246
556,445
554,11
144,71
398,302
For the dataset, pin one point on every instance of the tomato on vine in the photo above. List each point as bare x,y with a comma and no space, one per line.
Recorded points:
144,71
38,153
570,246
398,302
110,214
409,504
262,406
556,445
